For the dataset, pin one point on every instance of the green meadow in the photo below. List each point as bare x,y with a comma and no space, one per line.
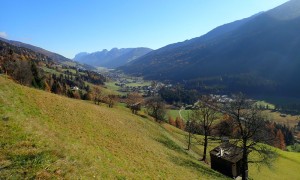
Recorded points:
48,136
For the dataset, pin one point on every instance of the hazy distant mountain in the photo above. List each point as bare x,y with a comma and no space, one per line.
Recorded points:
260,54
111,59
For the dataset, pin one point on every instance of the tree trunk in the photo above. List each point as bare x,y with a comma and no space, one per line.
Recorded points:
205,146
244,160
189,141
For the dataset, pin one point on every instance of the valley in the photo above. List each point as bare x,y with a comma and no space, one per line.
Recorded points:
198,90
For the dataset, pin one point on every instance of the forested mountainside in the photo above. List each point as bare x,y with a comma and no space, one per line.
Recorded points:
257,55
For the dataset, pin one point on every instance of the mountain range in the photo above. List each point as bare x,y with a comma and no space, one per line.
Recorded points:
111,59
258,55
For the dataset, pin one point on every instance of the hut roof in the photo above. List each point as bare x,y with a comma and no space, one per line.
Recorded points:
228,152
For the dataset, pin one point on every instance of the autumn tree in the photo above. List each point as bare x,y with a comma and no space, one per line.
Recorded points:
111,100
171,121
97,95
204,116
280,140
134,101
252,132
179,123
156,108
225,126
76,95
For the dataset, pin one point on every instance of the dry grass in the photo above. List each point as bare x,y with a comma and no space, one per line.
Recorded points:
50,136
287,120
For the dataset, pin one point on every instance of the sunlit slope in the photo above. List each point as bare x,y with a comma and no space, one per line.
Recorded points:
49,136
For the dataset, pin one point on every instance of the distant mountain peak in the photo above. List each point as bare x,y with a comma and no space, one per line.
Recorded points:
111,59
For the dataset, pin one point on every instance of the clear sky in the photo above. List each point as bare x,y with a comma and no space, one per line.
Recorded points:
72,26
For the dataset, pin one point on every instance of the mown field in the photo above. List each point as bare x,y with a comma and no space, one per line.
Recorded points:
47,136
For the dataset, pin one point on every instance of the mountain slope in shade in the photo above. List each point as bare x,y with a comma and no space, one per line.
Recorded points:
111,59
256,55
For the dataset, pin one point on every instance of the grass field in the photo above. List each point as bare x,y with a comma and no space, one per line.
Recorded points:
265,104
51,71
53,137
111,85
144,83
175,113
288,120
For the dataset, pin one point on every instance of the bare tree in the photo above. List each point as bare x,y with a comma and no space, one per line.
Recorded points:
97,95
190,127
111,100
251,132
9,63
22,72
204,116
134,101
156,108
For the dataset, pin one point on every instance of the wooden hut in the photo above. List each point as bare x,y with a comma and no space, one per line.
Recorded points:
227,159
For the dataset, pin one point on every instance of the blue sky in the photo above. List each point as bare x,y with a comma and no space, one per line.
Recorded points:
72,26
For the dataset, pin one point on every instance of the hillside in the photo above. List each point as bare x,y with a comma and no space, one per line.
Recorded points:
258,55
111,59
20,53
53,56
51,136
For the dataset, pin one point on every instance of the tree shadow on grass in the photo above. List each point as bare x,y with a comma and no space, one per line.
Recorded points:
167,142
185,162
142,116
196,165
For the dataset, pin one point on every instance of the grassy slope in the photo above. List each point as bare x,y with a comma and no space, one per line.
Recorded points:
52,136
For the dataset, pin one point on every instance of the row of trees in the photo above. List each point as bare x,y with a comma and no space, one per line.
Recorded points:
99,97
